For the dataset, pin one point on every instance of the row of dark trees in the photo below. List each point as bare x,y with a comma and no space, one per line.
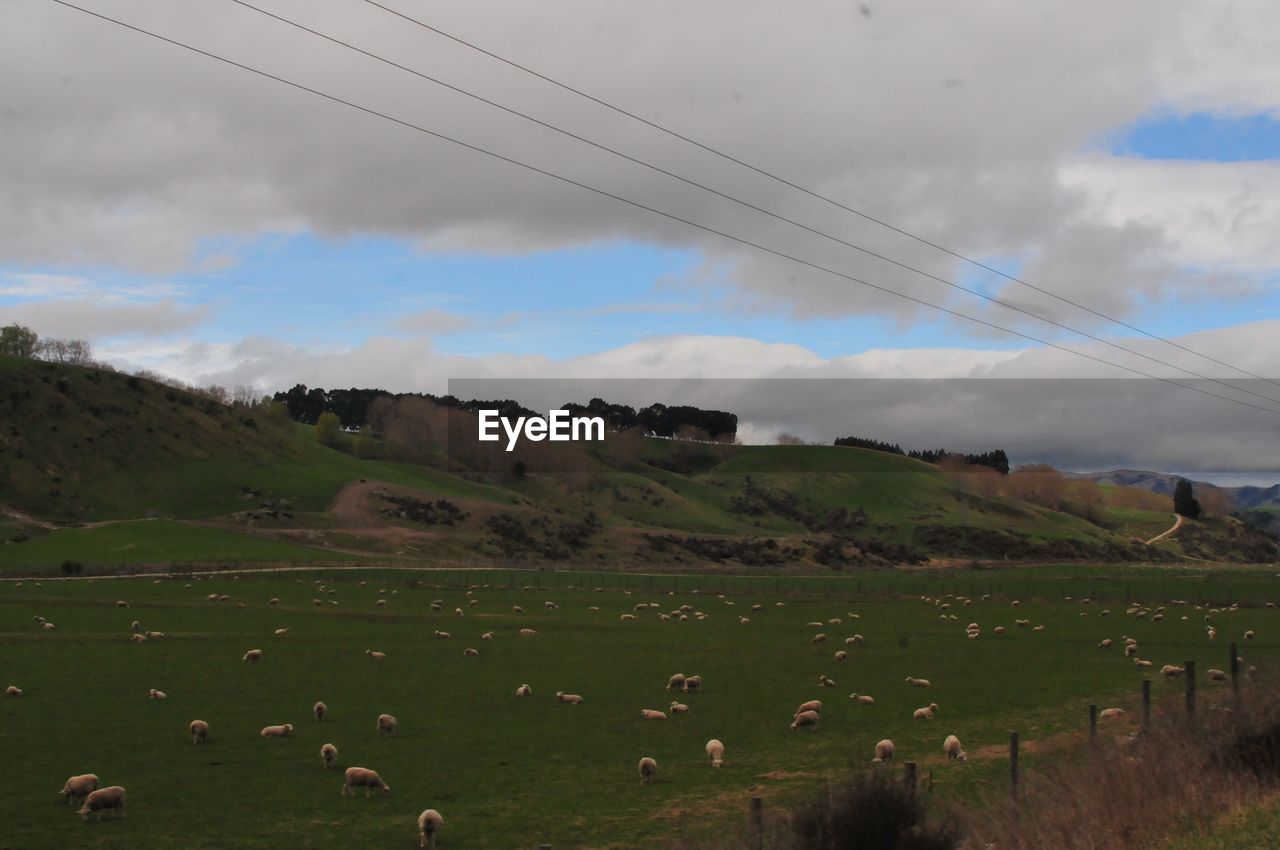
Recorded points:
21,341
353,408
996,459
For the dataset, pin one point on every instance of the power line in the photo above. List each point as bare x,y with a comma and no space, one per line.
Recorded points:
819,196
691,182
638,205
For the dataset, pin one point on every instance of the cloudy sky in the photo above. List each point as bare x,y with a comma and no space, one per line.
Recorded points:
197,219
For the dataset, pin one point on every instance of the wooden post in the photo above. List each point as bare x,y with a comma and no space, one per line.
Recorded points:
1189,674
1013,764
1093,723
757,823
1146,704
1235,671
909,776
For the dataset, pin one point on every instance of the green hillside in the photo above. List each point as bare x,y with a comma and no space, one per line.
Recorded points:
86,446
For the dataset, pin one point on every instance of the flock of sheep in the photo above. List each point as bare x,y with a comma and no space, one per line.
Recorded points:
98,800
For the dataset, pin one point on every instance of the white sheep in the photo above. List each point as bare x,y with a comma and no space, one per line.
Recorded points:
524,691
652,714
253,655
826,682
328,755
862,699
818,638
925,713
804,718
917,683
884,752
319,710
363,777
951,746
1169,671
199,731
442,635
280,632
1108,713
841,655
79,786
814,705
528,632
487,636
648,770
1105,643
692,683
429,823
374,655
675,683
282,731
13,691
715,752
569,699
102,799
386,724
678,708
1216,675
155,694
470,652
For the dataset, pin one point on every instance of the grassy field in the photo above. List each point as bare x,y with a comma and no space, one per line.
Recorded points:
510,772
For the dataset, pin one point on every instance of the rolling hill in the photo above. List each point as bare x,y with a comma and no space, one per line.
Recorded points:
87,454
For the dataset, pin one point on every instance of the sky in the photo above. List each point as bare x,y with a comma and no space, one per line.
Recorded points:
196,219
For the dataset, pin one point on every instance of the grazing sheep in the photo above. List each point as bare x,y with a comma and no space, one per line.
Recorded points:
319,710
487,636
154,694
429,823
363,777
1130,650
678,708
715,752
648,770
441,635
254,655
528,632
135,626
884,752
374,655
570,699
814,705
138,638
120,603
1249,635
516,609
524,691
280,632
925,713
1141,662
841,655
386,724
951,746
1169,671
652,714
47,626
818,639
1108,713
79,786
13,691
1037,628
825,682
550,606
999,630
103,799
283,731
1216,675
328,755
626,618
862,699
199,731
675,683
692,683
273,601
917,683
470,652
804,718
1105,643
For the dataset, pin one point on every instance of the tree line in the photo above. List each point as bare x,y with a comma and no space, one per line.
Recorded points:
995,459
357,409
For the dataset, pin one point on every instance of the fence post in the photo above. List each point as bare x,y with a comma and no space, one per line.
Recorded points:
1093,723
1189,674
1146,704
1013,764
757,823
909,776
1235,671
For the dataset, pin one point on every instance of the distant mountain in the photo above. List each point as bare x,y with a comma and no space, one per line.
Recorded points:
1247,497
